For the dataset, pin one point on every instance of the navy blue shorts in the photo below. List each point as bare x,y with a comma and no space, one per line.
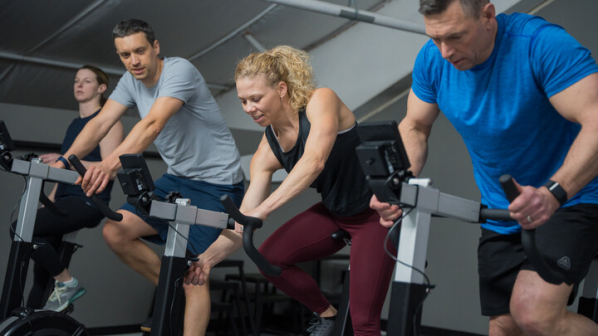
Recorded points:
203,195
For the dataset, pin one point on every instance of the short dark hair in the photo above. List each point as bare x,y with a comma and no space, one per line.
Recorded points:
471,8
133,26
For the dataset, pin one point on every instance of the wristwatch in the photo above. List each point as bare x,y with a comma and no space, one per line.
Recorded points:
557,191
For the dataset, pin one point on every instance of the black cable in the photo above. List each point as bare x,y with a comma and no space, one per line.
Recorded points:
427,284
172,304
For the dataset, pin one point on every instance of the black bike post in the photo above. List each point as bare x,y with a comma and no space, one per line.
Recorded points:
343,313
588,301
167,305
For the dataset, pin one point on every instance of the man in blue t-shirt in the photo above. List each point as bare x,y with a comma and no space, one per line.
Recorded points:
180,116
523,94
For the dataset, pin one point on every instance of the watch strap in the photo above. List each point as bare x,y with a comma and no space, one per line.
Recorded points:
64,161
557,191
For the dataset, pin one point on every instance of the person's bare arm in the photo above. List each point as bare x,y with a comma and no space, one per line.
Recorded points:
578,103
415,129
263,165
109,143
95,130
140,137
323,112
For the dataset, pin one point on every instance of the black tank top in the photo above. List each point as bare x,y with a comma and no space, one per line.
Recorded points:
67,190
341,184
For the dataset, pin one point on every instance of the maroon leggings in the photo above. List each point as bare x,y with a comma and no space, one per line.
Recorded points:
306,237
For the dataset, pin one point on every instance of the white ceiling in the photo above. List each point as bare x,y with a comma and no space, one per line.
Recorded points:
42,41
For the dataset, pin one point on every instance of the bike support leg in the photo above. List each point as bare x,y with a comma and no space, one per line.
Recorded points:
588,302
21,248
167,308
342,325
408,288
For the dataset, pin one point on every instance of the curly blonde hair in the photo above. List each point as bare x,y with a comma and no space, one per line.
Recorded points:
282,64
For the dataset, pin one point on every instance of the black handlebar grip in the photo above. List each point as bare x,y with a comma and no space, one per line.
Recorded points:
528,239
103,207
230,224
508,185
249,224
495,214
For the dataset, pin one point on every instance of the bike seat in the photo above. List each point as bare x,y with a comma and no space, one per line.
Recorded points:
340,235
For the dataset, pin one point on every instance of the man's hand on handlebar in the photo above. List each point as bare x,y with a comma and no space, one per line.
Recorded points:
533,207
96,179
388,213
198,273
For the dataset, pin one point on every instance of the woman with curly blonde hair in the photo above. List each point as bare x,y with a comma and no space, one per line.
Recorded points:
312,135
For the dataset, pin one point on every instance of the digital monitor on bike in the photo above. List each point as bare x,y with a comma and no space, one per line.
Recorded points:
383,159
6,144
381,152
135,178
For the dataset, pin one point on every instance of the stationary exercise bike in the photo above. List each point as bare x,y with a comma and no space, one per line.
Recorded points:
342,326
136,182
384,161
17,320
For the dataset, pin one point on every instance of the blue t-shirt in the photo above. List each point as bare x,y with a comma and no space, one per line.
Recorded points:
502,110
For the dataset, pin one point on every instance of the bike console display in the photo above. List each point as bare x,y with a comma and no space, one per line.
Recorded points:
135,178
136,181
383,159
6,146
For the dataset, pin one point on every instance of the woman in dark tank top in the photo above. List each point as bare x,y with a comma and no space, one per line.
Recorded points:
311,134
89,87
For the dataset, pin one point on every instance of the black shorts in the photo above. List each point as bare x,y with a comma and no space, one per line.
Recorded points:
569,239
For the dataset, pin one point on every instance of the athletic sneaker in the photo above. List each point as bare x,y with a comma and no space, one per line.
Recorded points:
320,326
63,295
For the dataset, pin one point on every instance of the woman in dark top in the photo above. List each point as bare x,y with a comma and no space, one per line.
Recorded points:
312,135
90,85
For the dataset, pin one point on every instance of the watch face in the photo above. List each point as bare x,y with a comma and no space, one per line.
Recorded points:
557,191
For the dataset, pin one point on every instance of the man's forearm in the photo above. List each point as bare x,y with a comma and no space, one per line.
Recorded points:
416,146
138,140
88,139
581,164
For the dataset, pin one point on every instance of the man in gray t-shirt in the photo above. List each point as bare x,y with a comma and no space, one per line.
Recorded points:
180,116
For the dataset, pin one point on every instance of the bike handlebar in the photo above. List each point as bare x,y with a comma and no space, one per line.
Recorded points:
51,206
250,224
103,207
528,239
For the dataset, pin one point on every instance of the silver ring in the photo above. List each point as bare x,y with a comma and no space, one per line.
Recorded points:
529,219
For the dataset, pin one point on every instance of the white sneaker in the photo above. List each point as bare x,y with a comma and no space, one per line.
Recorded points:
63,296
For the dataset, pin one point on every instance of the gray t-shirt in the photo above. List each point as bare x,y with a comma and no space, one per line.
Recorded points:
195,143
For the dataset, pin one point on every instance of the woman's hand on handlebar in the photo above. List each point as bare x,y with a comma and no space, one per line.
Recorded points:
256,213
533,207
198,273
50,158
388,213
